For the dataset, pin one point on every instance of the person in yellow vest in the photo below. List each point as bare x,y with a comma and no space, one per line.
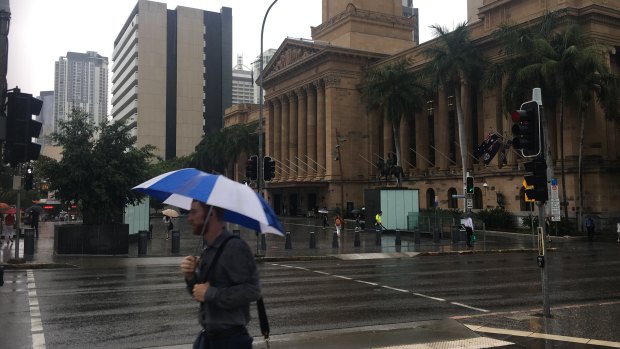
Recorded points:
378,219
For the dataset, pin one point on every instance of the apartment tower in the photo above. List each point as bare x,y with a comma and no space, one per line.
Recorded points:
81,81
172,78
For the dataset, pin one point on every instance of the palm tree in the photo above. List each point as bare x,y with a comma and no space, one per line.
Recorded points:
397,92
453,60
219,149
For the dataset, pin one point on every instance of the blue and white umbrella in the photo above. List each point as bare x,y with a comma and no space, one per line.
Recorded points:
242,205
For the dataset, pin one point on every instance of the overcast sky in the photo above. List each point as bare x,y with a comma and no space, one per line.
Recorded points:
43,30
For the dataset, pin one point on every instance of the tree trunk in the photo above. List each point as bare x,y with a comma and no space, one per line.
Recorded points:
462,139
580,176
396,135
564,199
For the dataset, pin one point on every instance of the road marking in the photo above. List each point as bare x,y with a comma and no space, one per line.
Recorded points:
384,286
470,343
36,324
554,337
470,307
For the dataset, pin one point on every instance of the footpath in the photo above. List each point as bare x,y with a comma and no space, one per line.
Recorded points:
446,333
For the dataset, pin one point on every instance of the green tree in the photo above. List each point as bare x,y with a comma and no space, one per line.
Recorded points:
396,92
218,150
97,173
453,61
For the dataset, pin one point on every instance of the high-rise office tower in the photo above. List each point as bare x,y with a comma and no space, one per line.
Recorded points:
81,81
46,117
172,75
268,55
242,84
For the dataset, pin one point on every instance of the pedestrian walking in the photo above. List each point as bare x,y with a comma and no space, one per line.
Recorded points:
468,223
338,222
169,226
9,226
378,219
34,222
224,279
618,230
590,228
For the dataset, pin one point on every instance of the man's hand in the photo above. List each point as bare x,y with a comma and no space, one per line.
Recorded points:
188,267
199,291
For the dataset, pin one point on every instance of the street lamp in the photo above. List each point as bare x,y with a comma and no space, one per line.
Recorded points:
259,179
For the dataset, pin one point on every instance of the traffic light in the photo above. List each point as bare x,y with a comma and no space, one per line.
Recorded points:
29,179
536,180
251,168
269,168
527,129
469,185
21,128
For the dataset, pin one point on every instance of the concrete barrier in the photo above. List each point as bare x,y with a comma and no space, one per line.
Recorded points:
312,240
356,241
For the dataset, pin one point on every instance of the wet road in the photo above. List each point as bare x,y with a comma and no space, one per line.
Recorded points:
146,305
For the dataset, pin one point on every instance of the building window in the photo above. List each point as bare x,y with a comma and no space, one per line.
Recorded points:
452,201
430,198
477,198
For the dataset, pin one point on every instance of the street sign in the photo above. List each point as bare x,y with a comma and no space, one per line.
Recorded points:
470,203
555,200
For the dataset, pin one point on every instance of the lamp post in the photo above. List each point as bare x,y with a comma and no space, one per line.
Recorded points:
5,22
259,177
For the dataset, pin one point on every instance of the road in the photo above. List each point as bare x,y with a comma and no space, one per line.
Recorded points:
144,304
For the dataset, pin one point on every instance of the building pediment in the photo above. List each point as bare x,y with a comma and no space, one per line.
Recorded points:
290,53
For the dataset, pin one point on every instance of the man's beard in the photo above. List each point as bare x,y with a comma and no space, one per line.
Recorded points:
198,229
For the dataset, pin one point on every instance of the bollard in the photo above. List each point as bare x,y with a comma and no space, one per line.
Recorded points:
398,241
28,242
335,240
263,242
312,240
142,239
436,235
356,242
176,242
455,234
236,232
287,242
150,232
1,275
416,236
378,237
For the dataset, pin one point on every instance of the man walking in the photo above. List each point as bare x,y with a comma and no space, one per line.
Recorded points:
224,280
468,223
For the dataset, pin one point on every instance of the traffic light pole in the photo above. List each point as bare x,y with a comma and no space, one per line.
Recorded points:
17,226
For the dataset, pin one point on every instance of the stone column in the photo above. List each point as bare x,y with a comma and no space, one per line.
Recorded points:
421,136
277,135
269,128
292,136
442,132
302,110
284,134
404,144
320,130
311,129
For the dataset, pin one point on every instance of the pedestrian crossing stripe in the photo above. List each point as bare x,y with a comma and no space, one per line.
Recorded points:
469,343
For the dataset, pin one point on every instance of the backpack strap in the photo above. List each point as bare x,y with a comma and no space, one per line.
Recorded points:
260,305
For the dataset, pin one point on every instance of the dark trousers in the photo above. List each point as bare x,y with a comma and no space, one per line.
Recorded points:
470,232
236,341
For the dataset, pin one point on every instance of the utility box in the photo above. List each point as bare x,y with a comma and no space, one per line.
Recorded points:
397,205
137,217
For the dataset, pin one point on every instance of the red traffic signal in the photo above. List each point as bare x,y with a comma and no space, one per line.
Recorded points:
251,168
527,129
21,128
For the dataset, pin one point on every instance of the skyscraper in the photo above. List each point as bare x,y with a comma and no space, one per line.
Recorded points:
242,84
172,75
81,81
46,117
268,55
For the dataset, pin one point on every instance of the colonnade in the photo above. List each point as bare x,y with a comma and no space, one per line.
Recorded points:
296,133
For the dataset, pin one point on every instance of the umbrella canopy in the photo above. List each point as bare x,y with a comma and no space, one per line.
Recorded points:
240,203
39,209
4,206
11,210
355,211
323,211
170,213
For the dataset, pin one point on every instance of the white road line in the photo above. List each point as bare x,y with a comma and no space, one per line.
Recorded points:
470,307
36,324
554,337
429,297
384,286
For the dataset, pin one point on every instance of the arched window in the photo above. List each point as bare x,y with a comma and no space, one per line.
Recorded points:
430,198
524,205
452,201
477,198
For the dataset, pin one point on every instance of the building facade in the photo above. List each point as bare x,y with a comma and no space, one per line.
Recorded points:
242,84
326,144
172,78
46,117
81,81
